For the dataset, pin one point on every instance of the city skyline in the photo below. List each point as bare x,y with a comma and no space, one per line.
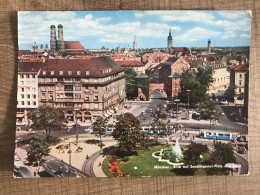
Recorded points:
95,29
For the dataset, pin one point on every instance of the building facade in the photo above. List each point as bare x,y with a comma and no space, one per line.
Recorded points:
27,89
82,88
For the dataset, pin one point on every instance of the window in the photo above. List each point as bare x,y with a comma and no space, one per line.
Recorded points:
43,72
239,82
50,88
43,79
34,96
22,82
27,76
77,95
21,76
61,73
77,88
34,90
95,80
60,95
34,103
87,105
51,97
52,72
78,72
60,79
95,89
86,97
86,89
43,96
51,80
59,88
22,95
28,103
22,89
77,79
78,105
86,80
68,87
95,97
28,96
59,105
239,90
96,106
33,76
69,72
22,102
87,72
240,75
42,88
68,79
28,90
69,95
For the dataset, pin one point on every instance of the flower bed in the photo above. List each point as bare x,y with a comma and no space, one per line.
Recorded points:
113,168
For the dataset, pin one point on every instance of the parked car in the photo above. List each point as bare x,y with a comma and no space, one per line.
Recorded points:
165,105
143,113
241,150
145,118
89,129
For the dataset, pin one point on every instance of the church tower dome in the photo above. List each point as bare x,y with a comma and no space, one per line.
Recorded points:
60,42
53,40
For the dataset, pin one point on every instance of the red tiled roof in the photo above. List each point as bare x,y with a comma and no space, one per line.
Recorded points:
73,45
240,67
24,52
97,67
129,63
29,67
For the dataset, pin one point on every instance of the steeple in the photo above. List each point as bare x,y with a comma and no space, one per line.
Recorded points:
169,40
135,44
209,46
53,40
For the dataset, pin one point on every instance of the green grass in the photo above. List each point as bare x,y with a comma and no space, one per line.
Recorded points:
144,163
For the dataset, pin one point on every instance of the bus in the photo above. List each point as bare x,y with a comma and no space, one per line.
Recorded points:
218,134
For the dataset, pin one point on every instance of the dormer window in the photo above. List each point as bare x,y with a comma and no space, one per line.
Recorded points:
110,70
78,72
61,72
69,72
43,72
52,72
87,72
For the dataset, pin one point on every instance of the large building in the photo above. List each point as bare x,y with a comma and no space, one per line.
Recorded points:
238,77
82,88
137,66
27,89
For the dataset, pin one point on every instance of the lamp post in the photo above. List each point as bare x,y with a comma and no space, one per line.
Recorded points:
177,101
188,91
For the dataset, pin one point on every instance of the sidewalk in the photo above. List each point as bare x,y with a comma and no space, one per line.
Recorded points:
98,171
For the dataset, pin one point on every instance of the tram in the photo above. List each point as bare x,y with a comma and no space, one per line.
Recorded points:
218,134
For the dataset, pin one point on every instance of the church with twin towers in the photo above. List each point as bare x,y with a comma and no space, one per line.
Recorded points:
57,44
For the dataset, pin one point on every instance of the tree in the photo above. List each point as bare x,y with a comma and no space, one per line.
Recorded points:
223,154
99,128
198,86
48,119
208,109
160,121
194,154
204,76
131,88
240,96
127,133
37,148
230,93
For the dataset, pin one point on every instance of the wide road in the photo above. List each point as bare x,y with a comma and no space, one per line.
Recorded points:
158,97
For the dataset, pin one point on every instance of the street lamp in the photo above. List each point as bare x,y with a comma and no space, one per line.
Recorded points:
188,91
177,101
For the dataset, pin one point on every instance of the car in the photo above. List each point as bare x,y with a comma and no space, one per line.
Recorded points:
143,113
241,150
145,118
20,123
165,105
222,113
150,110
89,129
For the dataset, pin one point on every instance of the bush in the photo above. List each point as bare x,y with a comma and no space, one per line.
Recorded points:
125,159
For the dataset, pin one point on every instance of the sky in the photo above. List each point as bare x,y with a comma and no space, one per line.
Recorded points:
111,29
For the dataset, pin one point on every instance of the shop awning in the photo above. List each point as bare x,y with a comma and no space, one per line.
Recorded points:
87,116
78,115
19,115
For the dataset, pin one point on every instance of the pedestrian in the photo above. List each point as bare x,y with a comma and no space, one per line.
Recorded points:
188,134
193,137
87,157
99,164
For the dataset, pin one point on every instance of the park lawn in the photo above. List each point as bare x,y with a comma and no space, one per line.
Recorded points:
143,164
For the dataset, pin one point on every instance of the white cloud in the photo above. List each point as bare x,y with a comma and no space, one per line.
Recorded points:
196,34
228,34
234,14
245,36
139,14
